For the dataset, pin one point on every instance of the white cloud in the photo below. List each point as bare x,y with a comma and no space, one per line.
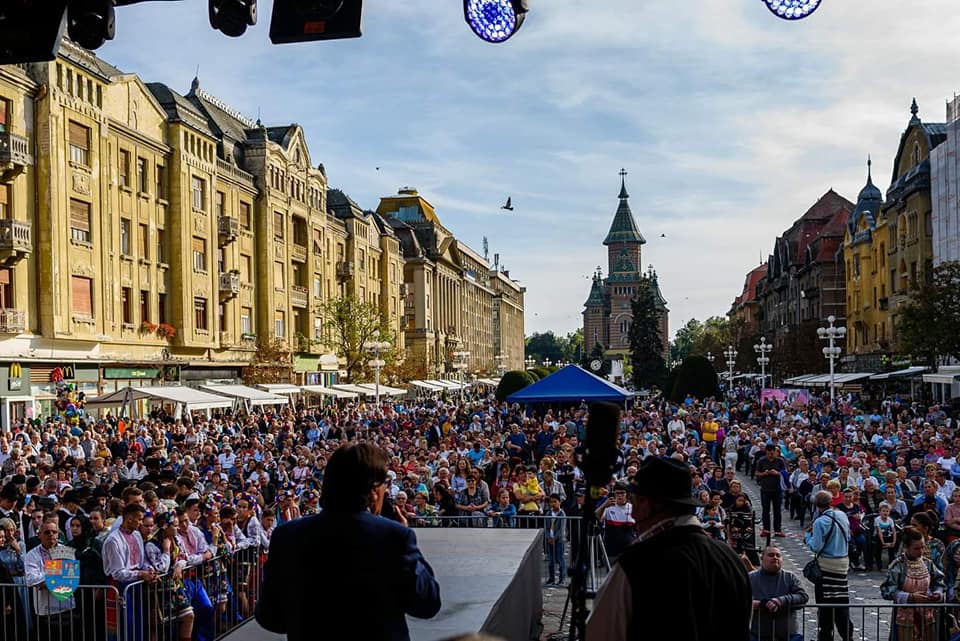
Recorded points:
730,121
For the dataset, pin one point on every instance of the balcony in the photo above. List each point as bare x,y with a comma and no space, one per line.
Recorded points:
228,228
345,270
298,252
299,296
226,339
230,284
884,303
12,321
15,156
16,241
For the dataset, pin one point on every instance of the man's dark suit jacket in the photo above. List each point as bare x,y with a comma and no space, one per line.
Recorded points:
358,572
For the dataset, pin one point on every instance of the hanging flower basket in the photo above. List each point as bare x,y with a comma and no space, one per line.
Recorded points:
166,330
147,327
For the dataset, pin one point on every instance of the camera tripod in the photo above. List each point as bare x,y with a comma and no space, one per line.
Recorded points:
596,556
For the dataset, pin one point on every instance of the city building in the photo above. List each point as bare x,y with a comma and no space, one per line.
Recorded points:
607,313
804,285
745,310
454,300
945,184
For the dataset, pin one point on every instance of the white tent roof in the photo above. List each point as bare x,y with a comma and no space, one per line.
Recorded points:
432,387
194,399
326,391
253,395
900,373
280,388
445,383
356,389
385,390
486,381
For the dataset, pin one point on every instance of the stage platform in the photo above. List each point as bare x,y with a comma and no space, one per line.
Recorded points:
490,581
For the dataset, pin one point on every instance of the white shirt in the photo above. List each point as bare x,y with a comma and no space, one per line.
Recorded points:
193,544
34,574
116,557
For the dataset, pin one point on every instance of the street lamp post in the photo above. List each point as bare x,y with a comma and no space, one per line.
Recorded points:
460,364
548,363
831,352
731,356
500,358
762,348
376,346
530,362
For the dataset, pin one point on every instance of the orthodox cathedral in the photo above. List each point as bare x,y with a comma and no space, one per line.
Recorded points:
607,313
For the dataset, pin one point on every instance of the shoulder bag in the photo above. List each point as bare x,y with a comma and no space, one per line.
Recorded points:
812,570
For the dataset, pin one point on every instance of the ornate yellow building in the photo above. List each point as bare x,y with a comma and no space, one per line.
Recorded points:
454,300
149,236
889,253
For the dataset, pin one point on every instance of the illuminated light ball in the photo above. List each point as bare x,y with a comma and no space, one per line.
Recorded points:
492,20
792,9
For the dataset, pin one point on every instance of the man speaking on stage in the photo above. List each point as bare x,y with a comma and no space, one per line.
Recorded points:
347,564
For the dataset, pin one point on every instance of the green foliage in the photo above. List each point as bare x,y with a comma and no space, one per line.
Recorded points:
348,324
695,377
541,372
597,354
542,346
512,381
536,377
929,323
646,343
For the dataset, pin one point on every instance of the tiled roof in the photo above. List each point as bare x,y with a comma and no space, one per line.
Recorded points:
624,228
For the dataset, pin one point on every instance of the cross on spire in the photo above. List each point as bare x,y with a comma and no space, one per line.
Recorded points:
623,184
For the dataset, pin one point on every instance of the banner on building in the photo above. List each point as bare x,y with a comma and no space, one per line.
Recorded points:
792,397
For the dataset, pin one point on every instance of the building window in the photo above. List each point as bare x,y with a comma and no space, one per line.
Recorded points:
79,144
219,204
144,306
928,223
80,220
199,254
246,268
161,308
200,313
317,285
221,260
222,316
199,189
856,265
125,305
6,289
142,176
5,211
317,242
245,215
296,275
125,236
81,299
144,241
299,231
124,168
277,225
278,325
278,278
161,251
161,176
246,320
4,115
883,255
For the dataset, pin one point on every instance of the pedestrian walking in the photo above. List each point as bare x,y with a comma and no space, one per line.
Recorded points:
828,537
769,472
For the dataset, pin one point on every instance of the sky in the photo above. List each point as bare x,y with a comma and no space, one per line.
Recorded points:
730,122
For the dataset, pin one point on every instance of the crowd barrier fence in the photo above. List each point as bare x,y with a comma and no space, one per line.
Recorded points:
864,622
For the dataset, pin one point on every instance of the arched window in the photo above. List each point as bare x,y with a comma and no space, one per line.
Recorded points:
916,153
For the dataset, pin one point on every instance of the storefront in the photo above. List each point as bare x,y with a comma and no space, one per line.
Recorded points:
16,400
315,370
195,375
45,377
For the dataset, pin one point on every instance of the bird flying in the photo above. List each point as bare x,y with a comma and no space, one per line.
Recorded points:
508,205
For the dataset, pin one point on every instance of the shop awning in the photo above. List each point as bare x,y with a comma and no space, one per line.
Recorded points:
948,378
355,389
250,395
326,391
445,384
424,385
486,381
843,378
909,372
385,390
280,388
193,399
800,380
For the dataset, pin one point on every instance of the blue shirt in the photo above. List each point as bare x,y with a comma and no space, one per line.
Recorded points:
836,546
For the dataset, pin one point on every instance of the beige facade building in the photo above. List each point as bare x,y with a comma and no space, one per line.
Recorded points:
149,237
454,300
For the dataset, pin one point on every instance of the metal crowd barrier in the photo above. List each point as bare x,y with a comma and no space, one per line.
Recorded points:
213,598
864,622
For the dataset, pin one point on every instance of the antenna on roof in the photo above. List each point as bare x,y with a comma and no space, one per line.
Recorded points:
486,250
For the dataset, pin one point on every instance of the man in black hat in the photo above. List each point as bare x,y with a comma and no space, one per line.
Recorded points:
674,581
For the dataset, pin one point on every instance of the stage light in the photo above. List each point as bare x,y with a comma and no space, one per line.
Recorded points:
90,23
308,20
792,9
31,30
232,17
495,20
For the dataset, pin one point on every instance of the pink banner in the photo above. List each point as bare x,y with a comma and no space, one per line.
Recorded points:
793,397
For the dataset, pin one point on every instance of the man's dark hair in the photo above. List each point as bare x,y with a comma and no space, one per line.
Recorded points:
134,508
351,473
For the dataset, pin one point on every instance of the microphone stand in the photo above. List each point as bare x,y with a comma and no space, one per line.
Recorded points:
580,570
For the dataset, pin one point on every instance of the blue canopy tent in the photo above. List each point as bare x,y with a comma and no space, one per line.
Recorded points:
571,384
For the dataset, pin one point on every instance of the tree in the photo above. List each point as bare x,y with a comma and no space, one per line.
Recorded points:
646,343
573,346
348,324
272,363
686,338
544,346
511,382
695,377
597,354
929,323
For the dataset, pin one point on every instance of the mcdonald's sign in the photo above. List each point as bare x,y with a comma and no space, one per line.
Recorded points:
15,377
15,370
68,371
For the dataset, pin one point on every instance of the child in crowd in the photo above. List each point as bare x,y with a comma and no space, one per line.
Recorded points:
554,533
885,535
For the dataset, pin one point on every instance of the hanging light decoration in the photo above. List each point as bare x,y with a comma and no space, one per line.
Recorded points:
792,9
494,20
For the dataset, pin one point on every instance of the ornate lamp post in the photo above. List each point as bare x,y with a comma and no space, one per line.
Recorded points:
762,349
831,352
460,364
530,362
376,346
731,356
500,358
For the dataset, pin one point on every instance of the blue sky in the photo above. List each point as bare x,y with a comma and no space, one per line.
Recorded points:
730,122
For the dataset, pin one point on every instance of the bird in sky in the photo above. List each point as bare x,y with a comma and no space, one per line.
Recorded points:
663,235
377,168
508,205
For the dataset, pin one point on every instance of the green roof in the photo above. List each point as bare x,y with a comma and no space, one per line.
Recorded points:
624,228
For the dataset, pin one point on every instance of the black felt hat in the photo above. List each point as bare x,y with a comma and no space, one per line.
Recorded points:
664,479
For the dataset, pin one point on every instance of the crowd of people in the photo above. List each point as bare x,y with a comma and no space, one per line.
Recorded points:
191,503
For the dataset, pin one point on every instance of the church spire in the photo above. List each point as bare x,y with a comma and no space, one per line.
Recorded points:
624,228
